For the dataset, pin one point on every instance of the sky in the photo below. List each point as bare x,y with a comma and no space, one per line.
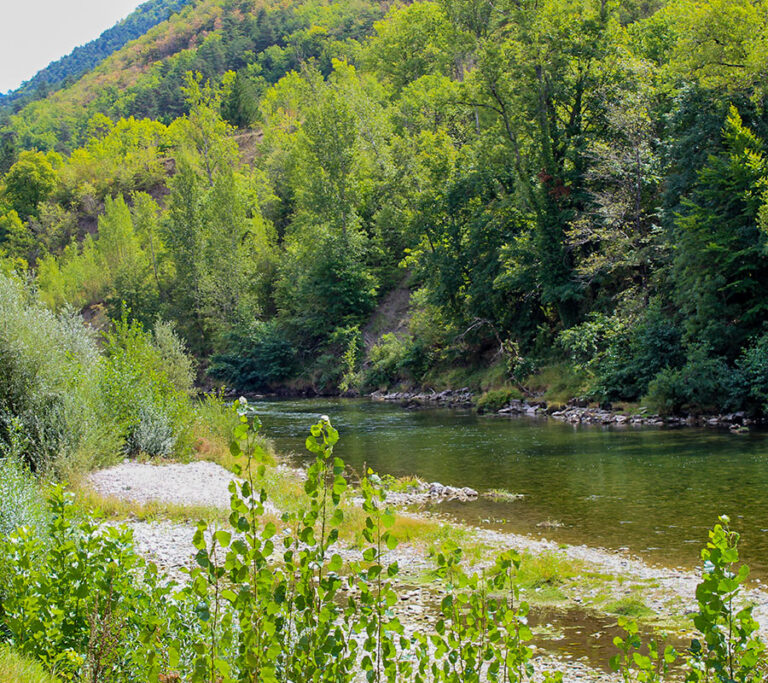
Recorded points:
34,33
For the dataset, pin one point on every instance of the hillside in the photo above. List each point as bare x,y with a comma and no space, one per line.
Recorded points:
567,197
84,58
145,78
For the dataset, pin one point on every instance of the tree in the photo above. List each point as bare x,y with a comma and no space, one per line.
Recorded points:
540,74
31,180
721,263
239,105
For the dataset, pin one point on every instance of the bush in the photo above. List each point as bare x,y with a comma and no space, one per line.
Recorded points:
705,384
396,359
256,358
153,434
85,605
50,401
146,389
21,501
494,400
753,375
335,368
623,356
385,361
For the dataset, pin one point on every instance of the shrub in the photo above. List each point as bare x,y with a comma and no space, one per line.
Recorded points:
494,400
153,434
178,364
622,355
85,605
705,384
385,361
256,358
394,359
49,384
334,368
21,500
753,374
146,389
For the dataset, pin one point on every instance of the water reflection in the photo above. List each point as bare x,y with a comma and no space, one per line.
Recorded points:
653,491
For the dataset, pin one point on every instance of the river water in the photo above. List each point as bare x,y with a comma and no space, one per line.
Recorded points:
652,491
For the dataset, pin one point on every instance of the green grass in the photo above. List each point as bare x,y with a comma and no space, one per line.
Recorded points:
15,668
407,484
496,399
503,495
556,383
110,507
629,606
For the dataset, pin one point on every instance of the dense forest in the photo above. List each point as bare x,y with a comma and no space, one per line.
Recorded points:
69,68
562,196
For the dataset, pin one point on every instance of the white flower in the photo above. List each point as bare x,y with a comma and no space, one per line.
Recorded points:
325,418
243,401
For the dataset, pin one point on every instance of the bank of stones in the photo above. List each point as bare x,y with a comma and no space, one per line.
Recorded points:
574,413
450,398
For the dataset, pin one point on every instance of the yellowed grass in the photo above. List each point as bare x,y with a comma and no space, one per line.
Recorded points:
15,668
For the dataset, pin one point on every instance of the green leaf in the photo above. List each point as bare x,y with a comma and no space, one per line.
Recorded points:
223,538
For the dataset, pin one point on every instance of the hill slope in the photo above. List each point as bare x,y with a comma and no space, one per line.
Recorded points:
145,78
69,68
576,188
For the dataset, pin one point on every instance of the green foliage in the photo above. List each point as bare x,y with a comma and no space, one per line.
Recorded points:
31,180
146,388
547,171
623,355
753,374
386,359
705,384
84,604
21,502
396,359
649,664
721,256
496,399
50,402
730,648
257,357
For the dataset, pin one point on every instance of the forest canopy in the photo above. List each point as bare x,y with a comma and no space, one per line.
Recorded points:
578,185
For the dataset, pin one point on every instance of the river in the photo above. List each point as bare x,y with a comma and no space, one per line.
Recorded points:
652,491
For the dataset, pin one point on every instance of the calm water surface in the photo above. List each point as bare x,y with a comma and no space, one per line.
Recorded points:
655,492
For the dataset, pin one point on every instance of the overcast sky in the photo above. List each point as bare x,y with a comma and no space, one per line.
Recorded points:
33,33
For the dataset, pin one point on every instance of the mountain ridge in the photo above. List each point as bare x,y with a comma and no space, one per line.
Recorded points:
82,59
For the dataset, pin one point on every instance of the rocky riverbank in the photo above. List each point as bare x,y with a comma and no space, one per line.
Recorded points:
668,593
575,412
450,398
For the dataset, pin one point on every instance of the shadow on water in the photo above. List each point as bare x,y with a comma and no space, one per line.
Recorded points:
652,491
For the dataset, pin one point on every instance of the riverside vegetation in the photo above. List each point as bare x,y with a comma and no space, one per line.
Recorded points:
557,197
271,598
274,601
564,197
